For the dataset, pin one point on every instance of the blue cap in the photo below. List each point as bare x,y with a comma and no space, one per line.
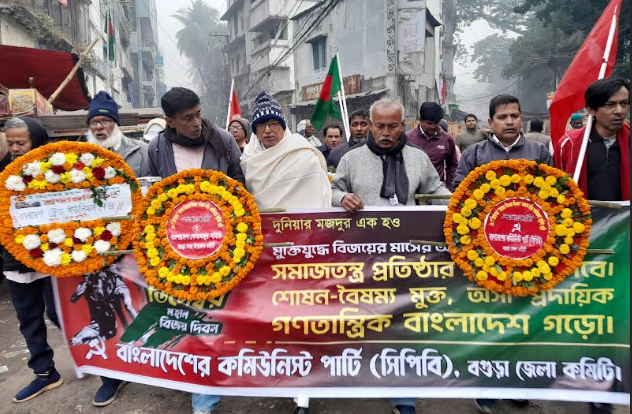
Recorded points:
576,117
103,105
265,109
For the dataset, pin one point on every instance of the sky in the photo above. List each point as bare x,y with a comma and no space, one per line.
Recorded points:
176,66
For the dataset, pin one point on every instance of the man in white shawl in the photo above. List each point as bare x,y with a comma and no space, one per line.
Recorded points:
282,169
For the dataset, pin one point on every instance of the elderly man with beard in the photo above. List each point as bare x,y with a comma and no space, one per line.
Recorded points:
103,123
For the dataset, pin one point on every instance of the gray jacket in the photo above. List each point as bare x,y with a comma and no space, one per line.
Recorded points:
489,150
135,154
162,163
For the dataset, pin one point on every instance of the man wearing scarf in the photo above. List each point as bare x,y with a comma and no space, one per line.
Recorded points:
190,141
403,170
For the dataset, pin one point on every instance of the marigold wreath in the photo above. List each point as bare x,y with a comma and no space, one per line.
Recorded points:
65,249
518,227
199,235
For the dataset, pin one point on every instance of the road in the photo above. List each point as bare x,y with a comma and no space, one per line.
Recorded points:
75,396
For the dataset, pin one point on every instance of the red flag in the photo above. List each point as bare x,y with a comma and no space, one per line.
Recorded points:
234,110
584,70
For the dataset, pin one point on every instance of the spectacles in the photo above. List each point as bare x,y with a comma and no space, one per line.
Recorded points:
102,122
271,124
612,105
236,128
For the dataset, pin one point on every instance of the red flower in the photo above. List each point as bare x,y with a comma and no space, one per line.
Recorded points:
58,169
76,240
79,166
36,252
52,245
99,173
106,235
27,179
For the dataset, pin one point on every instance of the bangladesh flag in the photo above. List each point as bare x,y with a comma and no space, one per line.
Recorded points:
326,106
109,30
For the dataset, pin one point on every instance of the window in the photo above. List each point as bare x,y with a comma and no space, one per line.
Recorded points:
319,53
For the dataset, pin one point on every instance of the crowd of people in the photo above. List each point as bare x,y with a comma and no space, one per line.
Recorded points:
380,165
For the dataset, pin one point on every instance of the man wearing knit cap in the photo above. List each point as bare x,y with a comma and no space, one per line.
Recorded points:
282,169
577,121
239,130
103,124
436,143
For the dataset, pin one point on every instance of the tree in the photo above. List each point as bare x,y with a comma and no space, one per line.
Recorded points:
198,41
491,56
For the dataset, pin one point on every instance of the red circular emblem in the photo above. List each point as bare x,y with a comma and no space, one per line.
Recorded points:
517,228
196,229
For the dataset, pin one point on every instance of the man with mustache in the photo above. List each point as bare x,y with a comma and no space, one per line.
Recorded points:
505,142
606,170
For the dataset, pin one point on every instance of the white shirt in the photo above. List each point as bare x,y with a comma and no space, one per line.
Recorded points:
187,158
28,277
502,145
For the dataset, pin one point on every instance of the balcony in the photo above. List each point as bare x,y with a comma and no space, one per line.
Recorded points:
266,14
148,52
233,6
267,54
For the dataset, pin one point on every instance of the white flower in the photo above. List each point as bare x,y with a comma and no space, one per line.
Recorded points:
57,236
51,177
57,159
82,234
77,176
33,168
114,228
52,257
15,183
31,242
86,159
79,256
101,246
110,173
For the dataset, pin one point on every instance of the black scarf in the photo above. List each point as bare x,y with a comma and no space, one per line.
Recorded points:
395,176
209,135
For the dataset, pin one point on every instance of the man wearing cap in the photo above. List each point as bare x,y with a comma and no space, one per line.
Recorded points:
577,121
282,169
436,143
306,129
239,130
103,124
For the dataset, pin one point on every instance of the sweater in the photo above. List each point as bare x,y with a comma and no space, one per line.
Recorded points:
441,150
467,138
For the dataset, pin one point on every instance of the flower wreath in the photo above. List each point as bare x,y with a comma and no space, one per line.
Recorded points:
492,209
71,248
199,235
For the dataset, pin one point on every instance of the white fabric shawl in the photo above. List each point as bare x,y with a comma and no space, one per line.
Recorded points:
292,174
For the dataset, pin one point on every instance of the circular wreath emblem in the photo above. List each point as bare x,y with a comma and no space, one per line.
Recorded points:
518,227
199,235
35,189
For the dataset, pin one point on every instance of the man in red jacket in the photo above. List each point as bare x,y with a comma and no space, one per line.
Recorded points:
605,172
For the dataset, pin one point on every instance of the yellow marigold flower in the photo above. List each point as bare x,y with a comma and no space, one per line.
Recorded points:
528,179
500,191
465,240
45,166
200,280
68,242
148,229
151,253
171,277
561,230
567,213
163,272
543,194
155,261
475,223
172,193
150,237
505,181
466,212
19,239
545,187
550,180
463,230
242,227
490,175
554,261
482,276
494,272
494,184
545,268
568,222
224,271
502,276
570,233
569,240
239,252
561,199
457,218
554,192
66,259
45,247
579,227
241,237
163,197
479,262
205,186
149,245
472,255
548,277
38,185
87,248
179,279
536,273
527,276
478,194
71,158
565,249
538,181
98,161
98,231
216,278
517,276
515,178
486,188
65,178
240,213
490,261
186,280
471,203
151,211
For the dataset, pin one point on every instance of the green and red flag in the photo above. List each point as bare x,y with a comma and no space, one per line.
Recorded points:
326,107
109,30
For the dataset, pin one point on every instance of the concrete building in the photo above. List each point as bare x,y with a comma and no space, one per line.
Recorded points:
387,48
258,48
145,54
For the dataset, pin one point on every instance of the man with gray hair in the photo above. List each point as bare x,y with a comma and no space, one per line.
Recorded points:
403,170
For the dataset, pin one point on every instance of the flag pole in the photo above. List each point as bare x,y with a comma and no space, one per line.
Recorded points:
343,100
230,103
602,74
